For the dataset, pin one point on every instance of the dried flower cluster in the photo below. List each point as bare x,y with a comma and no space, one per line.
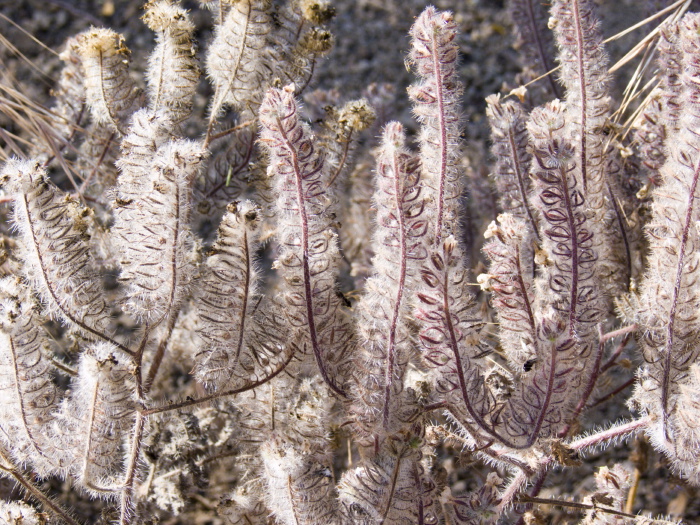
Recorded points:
178,340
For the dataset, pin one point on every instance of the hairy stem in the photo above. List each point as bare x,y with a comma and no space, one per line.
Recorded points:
33,490
308,293
670,332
